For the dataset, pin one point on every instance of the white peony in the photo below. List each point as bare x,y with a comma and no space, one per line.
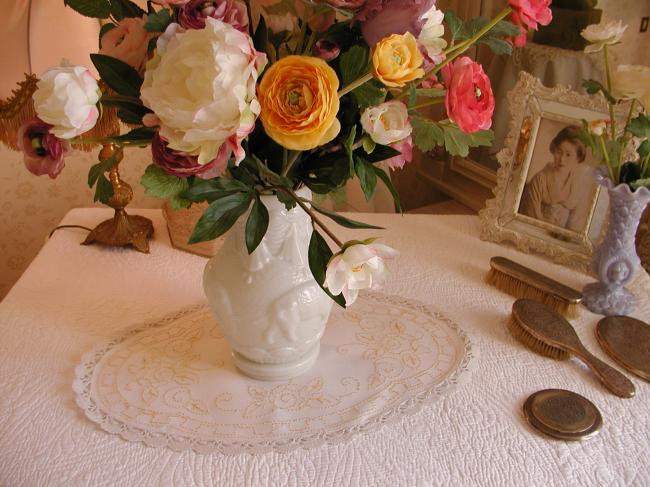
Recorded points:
66,97
431,36
387,123
631,81
602,35
201,85
359,266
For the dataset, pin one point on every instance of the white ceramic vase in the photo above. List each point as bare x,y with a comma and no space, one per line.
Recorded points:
267,304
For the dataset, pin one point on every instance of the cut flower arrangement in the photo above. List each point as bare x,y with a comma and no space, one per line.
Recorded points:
240,100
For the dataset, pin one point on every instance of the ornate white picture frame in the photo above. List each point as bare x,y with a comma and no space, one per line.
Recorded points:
540,117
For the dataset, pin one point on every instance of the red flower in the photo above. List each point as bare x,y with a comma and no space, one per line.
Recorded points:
469,101
531,12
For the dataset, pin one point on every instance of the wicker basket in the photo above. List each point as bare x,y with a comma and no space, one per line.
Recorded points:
180,224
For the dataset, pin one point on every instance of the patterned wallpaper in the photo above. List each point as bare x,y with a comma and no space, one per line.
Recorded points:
31,206
634,49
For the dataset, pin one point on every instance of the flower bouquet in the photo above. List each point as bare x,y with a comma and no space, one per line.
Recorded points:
623,151
253,107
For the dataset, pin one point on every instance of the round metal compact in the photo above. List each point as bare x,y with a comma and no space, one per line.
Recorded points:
626,340
563,414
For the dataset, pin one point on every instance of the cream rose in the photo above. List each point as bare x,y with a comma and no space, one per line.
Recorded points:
602,35
431,35
201,85
632,82
66,97
387,123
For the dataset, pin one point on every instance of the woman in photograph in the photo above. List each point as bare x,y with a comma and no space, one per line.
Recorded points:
562,192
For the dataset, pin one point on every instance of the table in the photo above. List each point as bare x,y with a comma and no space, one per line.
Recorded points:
72,297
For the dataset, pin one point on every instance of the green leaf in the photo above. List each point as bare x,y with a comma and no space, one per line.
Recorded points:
381,174
256,225
640,126
349,143
644,149
103,190
118,75
473,26
261,36
159,184
505,29
367,177
592,87
455,25
105,28
640,183
178,202
129,117
341,220
271,176
220,216
140,134
286,199
125,8
427,134
213,189
101,167
368,145
413,95
457,142
98,9
369,94
354,64
380,153
319,256
159,21
324,173
498,46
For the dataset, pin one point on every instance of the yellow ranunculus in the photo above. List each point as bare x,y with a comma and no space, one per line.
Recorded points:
396,60
298,96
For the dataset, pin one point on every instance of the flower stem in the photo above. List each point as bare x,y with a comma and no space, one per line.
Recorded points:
311,214
610,169
355,84
436,101
608,72
289,162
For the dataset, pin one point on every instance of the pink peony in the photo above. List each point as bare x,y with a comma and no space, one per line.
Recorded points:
192,15
326,49
180,164
469,101
127,42
405,146
43,152
381,18
520,40
531,12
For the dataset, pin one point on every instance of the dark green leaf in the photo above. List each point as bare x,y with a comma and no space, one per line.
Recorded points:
354,64
132,107
505,29
159,184
369,94
105,28
213,189
592,87
129,117
98,9
367,177
427,134
286,199
118,75
271,176
473,26
100,168
103,190
457,142
220,216
455,25
389,184
256,225
640,126
498,46
319,256
125,8
325,173
178,202
261,36
413,95
158,22
380,153
341,220
349,143
644,149
640,183
140,134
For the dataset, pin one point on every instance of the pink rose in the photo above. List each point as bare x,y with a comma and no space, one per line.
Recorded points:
531,12
405,146
381,18
520,40
180,164
127,42
192,15
469,101
43,152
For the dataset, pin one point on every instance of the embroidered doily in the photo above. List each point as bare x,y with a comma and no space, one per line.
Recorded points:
171,383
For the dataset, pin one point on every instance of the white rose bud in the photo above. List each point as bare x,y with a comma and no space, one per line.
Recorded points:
359,266
602,35
597,127
66,97
387,123
632,82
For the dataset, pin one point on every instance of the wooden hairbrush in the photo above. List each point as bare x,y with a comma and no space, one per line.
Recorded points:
546,332
521,282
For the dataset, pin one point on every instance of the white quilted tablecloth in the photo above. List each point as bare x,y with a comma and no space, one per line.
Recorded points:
72,297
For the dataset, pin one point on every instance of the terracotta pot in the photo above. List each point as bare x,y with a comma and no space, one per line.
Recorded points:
180,224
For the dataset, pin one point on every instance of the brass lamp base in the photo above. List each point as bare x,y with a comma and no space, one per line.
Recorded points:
123,230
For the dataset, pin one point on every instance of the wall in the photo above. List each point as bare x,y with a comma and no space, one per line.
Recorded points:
634,49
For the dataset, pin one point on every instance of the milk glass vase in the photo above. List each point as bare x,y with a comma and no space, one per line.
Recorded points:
615,260
268,305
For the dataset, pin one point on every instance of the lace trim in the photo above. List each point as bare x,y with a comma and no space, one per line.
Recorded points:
84,373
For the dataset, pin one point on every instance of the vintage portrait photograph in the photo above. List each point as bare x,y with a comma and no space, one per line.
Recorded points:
560,188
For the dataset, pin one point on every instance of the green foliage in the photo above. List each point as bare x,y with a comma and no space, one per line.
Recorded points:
128,112
354,64
592,87
261,36
319,256
324,173
427,134
137,136
367,177
256,225
379,153
641,183
341,220
103,187
98,9
213,189
118,75
389,184
220,216
369,94
159,184
158,22
463,31
640,126
458,143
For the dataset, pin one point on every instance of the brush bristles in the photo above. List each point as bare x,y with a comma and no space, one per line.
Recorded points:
533,343
519,289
